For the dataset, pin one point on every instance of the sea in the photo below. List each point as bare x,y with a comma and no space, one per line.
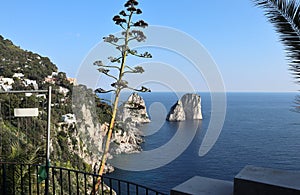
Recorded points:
260,129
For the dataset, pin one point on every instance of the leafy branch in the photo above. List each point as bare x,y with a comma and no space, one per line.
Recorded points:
285,16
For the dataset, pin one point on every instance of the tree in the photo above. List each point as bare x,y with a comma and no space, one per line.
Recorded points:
130,33
285,15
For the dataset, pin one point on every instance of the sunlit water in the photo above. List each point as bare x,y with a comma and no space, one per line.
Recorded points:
260,129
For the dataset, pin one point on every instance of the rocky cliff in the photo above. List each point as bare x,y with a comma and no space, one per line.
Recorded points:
176,112
127,139
130,116
89,132
133,110
188,107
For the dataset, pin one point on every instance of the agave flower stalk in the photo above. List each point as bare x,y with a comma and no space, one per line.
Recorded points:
124,20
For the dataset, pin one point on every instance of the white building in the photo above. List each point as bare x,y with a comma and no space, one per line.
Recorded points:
18,75
54,74
41,96
69,118
63,90
5,87
7,81
28,82
6,84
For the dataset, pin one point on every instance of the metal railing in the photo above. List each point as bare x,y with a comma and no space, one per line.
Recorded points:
26,179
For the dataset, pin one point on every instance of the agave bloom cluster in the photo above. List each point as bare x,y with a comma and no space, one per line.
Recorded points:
130,33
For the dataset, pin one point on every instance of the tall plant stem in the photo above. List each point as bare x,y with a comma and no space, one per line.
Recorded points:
115,107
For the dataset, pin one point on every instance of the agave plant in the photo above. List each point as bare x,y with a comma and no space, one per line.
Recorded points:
130,32
285,16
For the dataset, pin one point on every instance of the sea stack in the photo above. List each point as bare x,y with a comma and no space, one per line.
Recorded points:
134,109
187,108
176,112
131,115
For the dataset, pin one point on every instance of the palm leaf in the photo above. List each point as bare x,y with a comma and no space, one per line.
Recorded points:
285,16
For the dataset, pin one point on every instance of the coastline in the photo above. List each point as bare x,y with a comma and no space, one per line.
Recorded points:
255,123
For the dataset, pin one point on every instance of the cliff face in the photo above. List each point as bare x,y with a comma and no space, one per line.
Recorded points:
130,116
188,107
192,106
127,139
89,130
176,112
91,134
133,110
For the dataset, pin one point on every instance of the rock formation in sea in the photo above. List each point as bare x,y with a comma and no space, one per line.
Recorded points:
188,107
131,115
133,110
176,112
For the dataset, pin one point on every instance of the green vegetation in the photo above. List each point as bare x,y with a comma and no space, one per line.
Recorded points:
22,140
15,60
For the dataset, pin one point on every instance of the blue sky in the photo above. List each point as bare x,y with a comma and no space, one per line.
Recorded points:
236,34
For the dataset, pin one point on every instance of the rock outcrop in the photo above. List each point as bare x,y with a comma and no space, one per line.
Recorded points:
130,116
188,107
133,110
89,134
127,139
177,112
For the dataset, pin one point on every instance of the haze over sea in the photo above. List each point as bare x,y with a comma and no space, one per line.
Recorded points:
260,129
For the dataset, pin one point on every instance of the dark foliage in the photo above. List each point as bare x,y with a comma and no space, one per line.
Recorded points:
285,16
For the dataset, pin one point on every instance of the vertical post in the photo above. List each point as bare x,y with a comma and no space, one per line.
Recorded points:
1,133
48,142
4,178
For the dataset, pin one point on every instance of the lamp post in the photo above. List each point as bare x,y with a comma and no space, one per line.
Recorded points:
31,112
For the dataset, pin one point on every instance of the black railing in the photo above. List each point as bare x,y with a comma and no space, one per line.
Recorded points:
23,179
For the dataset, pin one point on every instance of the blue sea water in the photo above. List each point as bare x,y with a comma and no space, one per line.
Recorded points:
260,129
